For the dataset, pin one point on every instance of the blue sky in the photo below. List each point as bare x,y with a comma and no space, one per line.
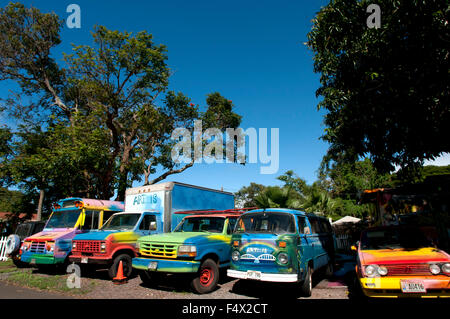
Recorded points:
252,52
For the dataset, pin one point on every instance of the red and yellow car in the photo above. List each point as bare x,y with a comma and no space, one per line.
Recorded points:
396,261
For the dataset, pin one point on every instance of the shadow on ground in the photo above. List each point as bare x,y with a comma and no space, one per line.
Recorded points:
181,283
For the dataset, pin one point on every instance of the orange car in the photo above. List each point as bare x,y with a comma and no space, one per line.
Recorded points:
396,261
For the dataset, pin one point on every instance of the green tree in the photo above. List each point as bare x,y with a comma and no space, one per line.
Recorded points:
245,197
277,197
385,90
115,90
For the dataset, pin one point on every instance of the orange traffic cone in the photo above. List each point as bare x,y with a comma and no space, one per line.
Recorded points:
120,278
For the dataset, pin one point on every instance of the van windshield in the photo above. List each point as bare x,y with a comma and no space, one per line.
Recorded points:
266,222
121,221
63,219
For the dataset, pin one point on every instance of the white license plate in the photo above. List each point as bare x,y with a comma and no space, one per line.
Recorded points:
256,275
153,265
84,260
33,261
413,286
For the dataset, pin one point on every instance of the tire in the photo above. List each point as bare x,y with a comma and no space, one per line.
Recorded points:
150,279
19,263
126,263
207,277
306,286
12,244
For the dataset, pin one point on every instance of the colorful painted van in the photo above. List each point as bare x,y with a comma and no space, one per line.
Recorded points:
199,245
281,245
70,216
399,261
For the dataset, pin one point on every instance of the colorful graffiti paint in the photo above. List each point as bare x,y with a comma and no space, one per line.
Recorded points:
395,261
280,245
200,244
69,217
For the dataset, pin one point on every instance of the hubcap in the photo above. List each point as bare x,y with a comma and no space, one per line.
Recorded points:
206,276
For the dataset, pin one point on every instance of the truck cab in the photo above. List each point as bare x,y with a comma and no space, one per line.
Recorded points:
199,246
114,242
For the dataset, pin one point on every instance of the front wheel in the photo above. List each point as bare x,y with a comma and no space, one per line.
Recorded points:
306,287
207,277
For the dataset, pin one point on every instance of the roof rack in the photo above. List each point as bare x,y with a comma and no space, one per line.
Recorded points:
237,211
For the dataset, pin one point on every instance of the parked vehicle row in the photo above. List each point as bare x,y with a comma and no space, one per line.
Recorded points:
174,228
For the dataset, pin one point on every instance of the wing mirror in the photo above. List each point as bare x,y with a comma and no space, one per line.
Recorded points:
152,226
306,231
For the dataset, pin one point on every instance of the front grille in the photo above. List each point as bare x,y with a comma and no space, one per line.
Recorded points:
38,247
408,269
88,246
159,250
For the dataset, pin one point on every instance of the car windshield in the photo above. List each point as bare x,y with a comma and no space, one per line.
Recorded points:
393,239
63,219
201,224
121,221
266,222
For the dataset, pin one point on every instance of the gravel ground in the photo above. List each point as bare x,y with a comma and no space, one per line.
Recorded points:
177,287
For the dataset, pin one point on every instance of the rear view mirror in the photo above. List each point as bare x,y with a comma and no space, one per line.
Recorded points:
152,226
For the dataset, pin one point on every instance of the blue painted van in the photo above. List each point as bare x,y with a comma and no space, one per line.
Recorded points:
281,245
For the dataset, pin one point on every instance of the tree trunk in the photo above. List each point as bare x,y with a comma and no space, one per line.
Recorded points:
41,201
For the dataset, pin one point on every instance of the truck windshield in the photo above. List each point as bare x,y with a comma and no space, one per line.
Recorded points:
393,239
266,222
63,219
201,224
121,221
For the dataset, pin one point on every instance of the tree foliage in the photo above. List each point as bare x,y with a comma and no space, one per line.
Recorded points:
385,90
101,120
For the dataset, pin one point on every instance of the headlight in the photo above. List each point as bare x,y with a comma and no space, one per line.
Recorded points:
103,247
382,271
235,255
74,245
137,245
371,270
446,268
283,258
435,269
50,246
188,250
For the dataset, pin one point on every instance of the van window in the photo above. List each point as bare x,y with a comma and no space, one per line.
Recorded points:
302,224
106,215
314,225
145,223
91,220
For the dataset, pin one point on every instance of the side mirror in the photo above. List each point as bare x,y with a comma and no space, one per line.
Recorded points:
152,226
353,247
306,231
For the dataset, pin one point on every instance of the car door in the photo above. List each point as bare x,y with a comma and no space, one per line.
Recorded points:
305,250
